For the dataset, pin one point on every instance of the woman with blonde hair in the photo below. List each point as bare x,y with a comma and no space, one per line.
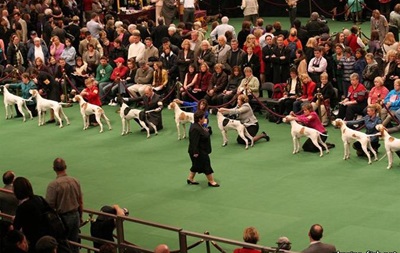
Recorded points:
252,41
379,23
185,58
390,69
389,43
206,55
377,95
309,48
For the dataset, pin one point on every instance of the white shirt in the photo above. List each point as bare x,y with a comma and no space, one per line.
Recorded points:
187,3
39,53
322,64
136,50
221,30
94,28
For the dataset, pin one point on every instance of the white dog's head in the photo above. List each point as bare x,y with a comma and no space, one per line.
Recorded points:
338,123
172,105
287,119
34,93
77,98
382,130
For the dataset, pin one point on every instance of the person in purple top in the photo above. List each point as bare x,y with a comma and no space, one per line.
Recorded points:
310,119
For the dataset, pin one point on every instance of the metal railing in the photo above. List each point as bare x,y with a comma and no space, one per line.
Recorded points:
182,236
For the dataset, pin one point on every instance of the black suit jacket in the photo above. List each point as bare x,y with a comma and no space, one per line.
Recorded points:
199,140
320,247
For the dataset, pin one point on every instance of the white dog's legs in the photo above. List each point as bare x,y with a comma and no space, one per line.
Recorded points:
365,149
98,120
145,127
184,131
107,121
179,130
57,116
224,138
315,142
294,145
346,146
85,122
248,135
123,121
29,112
63,115
154,127
19,106
390,159
323,144
240,131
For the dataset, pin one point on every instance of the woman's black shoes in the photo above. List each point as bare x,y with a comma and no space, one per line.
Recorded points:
213,185
266,136
191,182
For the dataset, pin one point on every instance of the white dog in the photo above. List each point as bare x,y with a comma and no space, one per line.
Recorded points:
89,109
42,105
133,114
10,100
391,144
225,124
349,135
181,118
300,131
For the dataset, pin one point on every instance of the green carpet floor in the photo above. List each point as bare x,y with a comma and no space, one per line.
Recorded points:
266,186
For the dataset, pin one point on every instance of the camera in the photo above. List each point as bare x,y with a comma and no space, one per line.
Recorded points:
126,211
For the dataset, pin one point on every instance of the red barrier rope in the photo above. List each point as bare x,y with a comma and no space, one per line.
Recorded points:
210,106
328,13
391,114
10,74
281,5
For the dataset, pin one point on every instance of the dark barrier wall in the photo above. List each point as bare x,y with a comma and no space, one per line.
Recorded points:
278,7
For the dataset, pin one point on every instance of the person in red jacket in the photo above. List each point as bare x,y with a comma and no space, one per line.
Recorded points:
308,87
118,81
91,95
356,99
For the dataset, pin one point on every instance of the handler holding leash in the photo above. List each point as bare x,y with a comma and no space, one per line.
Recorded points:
310,119
246,116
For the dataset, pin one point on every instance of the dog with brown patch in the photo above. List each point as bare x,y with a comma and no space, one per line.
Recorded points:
225,124
42,105
88,109
181,118
391,144
349,135
299,131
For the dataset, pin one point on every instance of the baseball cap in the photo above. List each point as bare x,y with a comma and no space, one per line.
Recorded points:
119,60
33,32
46,244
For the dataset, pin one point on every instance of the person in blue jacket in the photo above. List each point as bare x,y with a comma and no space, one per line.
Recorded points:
25,86
202,104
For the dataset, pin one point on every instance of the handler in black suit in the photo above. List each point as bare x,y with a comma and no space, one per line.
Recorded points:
152,108
316,246
199,150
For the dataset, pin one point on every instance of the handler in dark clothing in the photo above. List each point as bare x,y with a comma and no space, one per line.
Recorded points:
199,150
152,108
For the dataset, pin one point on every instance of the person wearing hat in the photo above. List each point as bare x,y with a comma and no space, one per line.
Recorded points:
284,243
46,244
316,246
117,77
33,36
104,225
